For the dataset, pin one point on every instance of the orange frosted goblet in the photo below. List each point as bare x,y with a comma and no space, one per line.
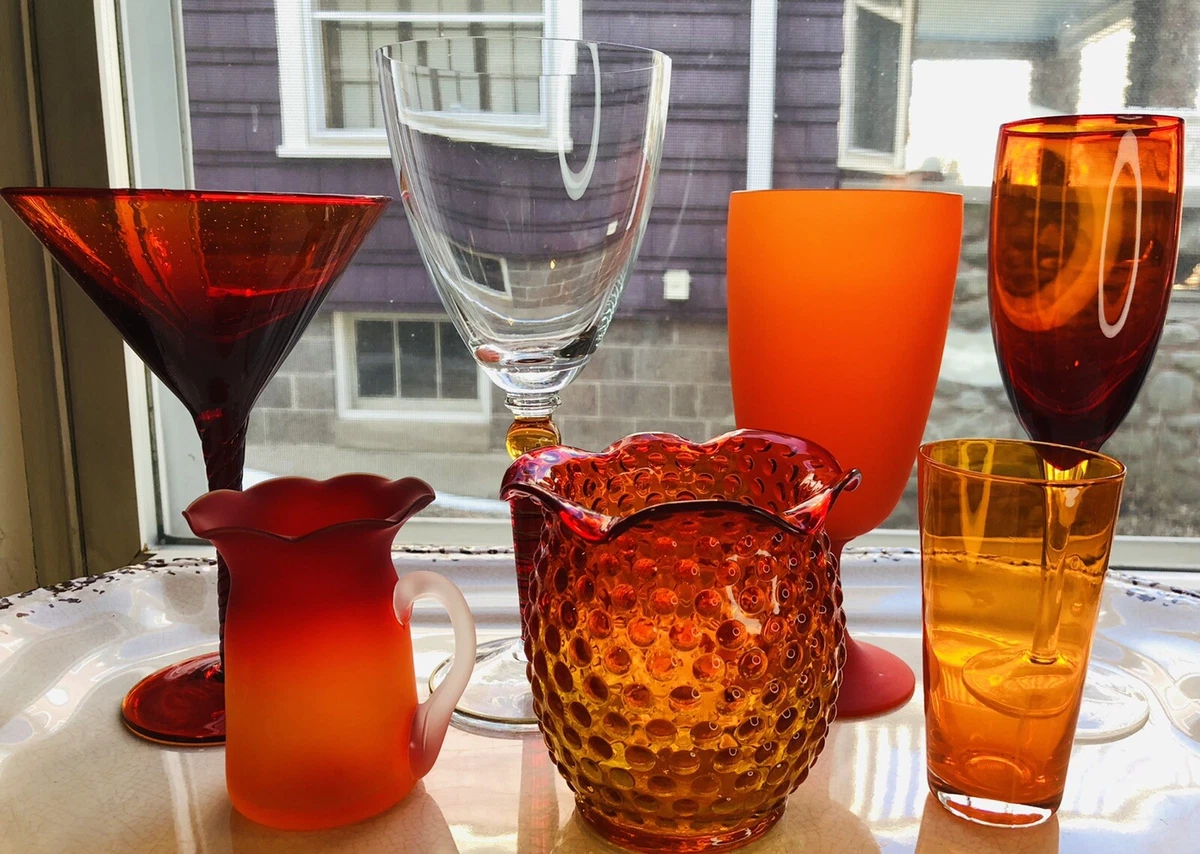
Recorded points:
839,301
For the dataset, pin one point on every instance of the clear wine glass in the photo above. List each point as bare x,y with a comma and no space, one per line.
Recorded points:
527,168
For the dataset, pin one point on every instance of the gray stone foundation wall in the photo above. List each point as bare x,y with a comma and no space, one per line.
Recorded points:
673,375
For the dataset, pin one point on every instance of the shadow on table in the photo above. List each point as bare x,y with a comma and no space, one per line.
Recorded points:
944,833
414,826
812,822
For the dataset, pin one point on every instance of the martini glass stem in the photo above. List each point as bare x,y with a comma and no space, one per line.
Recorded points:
224,448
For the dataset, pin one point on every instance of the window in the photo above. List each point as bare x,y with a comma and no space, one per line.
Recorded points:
402,366
329,98
866,92
875,84
486,271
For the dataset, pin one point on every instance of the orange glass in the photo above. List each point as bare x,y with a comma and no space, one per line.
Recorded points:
839,302
684,628
314,600
999,738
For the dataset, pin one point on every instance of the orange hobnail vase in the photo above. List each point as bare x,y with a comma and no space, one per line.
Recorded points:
684,629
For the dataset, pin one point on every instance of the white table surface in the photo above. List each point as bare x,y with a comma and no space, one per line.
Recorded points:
73,780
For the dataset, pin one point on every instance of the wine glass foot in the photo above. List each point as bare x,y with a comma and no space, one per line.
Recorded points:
1014,683
874,681
180,705
1114,706
497,700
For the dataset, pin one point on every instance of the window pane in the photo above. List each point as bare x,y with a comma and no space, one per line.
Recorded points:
876,77
459,374
663,365
418,359
375,358
483,270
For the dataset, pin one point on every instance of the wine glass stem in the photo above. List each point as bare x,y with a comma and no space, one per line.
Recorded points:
1062,503
224,449
531,429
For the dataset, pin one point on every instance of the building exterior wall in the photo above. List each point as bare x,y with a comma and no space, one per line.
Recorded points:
233,88
670,374
663,365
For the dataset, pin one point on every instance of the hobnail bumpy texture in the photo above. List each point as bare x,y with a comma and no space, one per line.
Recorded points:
684,671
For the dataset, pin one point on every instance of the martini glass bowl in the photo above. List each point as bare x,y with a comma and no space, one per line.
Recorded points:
527,168
212,290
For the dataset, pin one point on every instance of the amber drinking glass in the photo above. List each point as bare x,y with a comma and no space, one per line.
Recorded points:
839,302
684,628
1084,236
212,290
998,741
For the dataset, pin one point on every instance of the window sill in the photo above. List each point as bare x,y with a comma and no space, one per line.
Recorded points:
339,151
1170,560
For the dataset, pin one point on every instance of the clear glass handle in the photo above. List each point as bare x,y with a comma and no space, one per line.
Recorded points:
432,718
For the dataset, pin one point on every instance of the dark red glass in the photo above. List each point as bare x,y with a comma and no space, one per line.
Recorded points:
1084,237
212,290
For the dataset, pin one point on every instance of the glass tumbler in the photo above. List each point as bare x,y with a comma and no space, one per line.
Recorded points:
999,738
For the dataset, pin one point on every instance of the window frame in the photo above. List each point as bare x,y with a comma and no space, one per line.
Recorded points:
424,410
302,109
850,157
57,146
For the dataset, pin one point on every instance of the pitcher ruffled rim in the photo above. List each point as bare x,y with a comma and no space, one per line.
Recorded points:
529,475
409,495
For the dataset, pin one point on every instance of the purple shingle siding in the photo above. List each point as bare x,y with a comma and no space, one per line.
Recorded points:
233,86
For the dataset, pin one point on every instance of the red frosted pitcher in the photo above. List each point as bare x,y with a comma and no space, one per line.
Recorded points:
323,723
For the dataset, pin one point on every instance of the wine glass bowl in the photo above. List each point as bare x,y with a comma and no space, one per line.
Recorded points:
528,189
839,339
1084,237
527,169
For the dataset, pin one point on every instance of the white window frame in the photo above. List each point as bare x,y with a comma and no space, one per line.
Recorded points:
302,108
863,159
406,409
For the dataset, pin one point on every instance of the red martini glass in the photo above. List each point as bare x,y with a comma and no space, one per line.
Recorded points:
212,290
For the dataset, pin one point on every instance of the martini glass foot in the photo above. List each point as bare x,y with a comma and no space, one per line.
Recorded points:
873,682
1113,707
498,697
183,704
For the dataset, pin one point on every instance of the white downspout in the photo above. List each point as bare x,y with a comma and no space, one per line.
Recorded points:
760,121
